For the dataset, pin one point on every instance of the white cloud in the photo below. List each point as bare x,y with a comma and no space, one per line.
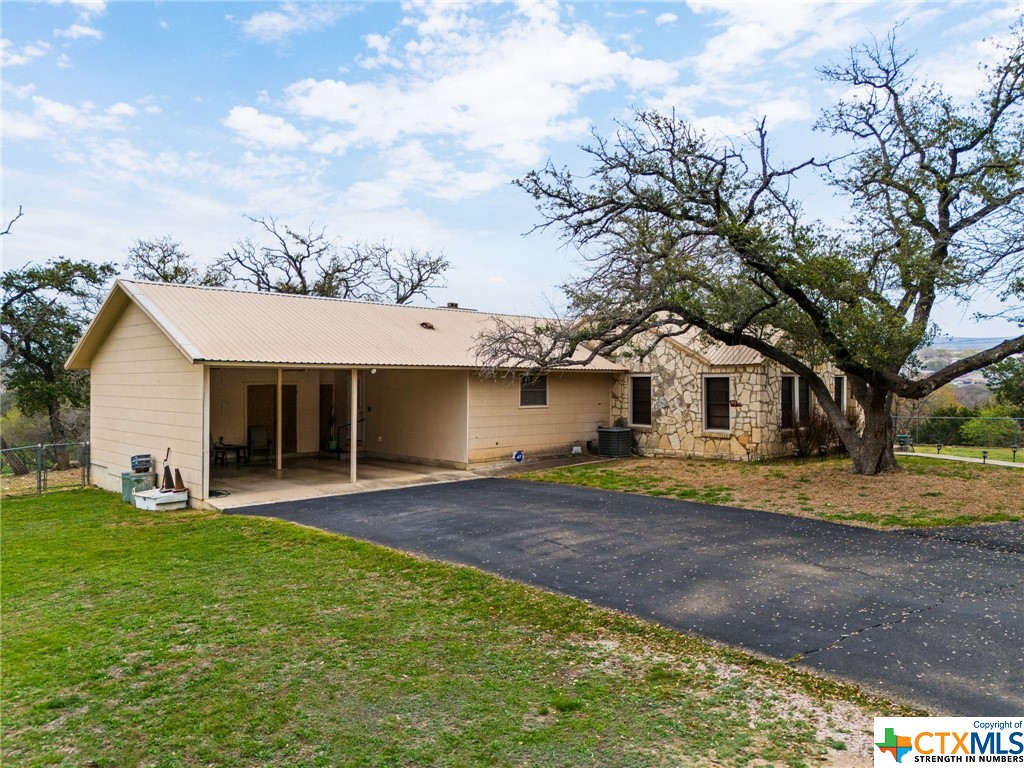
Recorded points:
87,8
78,31
412,168
505,90
57,112
665,18
268,130
18,125
121,109
64,61
12,56
795,31
293,18
19,91
379,44
49,113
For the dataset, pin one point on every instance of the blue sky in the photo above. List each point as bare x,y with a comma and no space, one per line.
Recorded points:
405,122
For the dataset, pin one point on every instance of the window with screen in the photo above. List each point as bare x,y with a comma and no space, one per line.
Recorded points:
640,401
716,402
533,391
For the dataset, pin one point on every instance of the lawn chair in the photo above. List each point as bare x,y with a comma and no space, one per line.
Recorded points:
259,442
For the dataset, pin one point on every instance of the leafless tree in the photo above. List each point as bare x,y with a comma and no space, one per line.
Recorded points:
164,260
310,262
7,230
397,275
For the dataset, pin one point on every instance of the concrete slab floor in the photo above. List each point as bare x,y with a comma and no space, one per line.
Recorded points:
312,477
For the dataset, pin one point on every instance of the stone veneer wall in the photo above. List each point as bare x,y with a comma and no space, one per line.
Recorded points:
677,408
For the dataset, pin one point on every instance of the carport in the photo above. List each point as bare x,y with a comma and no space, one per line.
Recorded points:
305,477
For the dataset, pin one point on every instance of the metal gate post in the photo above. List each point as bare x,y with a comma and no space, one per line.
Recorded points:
39,469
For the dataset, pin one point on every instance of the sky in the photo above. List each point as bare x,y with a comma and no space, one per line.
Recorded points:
408,122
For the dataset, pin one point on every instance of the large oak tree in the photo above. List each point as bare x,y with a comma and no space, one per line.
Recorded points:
682,230
45,307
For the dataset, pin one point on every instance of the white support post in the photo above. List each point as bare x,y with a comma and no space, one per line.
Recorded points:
354,428
279,429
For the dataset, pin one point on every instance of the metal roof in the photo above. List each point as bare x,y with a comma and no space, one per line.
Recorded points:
219,325
715,352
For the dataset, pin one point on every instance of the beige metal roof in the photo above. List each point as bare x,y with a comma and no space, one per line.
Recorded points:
715,353
226,326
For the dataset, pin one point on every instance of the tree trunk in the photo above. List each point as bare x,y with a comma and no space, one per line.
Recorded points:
14,461
875,453
57,434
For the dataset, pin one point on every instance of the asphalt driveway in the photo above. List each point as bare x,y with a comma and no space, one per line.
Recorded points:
933,618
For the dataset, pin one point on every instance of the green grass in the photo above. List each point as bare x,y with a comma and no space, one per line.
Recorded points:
994,454
195,639
615,479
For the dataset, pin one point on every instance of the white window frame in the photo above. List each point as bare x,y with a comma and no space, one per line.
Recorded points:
704,403
839,385
799,417
525,377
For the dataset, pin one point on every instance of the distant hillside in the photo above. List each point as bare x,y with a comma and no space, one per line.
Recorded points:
964,343
944,351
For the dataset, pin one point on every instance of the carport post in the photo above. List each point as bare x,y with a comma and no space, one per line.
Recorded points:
279,431
352,417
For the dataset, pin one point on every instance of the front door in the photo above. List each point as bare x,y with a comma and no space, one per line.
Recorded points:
260,409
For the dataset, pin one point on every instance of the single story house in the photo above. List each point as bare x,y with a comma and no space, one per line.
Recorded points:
189,368
192,369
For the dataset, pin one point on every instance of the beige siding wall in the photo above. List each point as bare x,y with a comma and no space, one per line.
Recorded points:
146,397
228,402
578,403
416,415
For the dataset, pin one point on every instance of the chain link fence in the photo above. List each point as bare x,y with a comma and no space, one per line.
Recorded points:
972,436
35,469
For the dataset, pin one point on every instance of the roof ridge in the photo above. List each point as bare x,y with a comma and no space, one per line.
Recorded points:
359,302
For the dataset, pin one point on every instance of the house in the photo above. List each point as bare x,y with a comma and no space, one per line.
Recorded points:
188,368
691,397
195,370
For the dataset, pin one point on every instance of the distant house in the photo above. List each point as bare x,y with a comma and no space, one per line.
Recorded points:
689,397
185,368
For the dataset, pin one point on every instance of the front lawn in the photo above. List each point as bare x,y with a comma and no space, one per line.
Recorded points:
195,639
973,452
926,492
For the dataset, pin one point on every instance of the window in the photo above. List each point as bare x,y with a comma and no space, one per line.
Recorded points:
788,409
640,401
796,402
533,391
716,402
804,414
839,392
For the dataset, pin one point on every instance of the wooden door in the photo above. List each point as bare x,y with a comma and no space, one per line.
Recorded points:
261,409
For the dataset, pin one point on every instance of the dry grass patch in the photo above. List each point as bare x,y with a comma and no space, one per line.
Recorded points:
925,492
